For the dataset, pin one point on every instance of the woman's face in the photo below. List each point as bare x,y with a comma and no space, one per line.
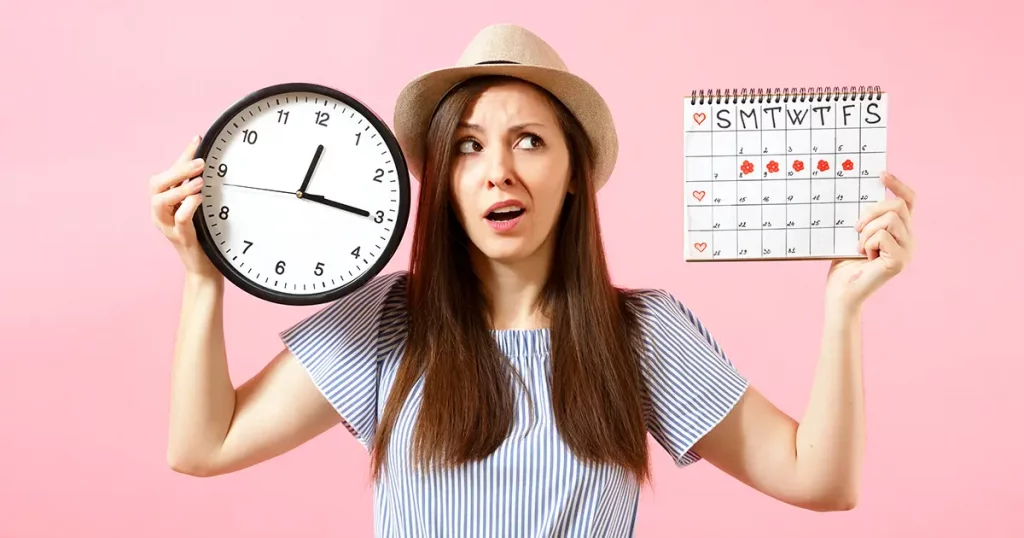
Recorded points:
510,173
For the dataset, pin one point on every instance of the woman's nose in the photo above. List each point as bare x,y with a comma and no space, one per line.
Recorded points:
500,169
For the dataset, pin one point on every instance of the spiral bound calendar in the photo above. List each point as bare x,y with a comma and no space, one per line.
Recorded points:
781,174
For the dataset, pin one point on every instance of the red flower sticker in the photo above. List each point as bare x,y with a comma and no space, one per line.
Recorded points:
773,167
747,168
847,165
822,165
798,165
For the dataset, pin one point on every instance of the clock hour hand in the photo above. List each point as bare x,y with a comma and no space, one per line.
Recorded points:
309,171
345,207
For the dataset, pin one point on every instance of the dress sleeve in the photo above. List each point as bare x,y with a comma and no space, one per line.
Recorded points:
338,346
691,384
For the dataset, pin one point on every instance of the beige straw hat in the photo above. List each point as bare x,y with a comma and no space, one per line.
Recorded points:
506,49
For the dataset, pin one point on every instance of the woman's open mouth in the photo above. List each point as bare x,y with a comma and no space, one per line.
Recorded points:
506,217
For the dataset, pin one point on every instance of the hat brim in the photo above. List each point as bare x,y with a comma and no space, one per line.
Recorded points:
416,103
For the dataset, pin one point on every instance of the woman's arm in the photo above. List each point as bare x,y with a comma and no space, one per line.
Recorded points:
816,463
216,429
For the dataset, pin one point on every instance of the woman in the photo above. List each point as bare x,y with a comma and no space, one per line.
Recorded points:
503,385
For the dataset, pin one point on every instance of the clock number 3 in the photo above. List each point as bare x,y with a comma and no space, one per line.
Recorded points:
379,218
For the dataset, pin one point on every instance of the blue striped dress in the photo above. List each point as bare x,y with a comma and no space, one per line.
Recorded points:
532,486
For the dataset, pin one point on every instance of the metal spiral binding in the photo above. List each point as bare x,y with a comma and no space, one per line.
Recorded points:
785,95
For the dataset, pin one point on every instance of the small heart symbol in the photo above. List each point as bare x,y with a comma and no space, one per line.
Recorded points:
699,195
700,246
699,117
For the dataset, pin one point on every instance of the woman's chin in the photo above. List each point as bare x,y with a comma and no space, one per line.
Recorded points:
505,248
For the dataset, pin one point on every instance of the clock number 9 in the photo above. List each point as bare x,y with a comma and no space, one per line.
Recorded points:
222,170
379,218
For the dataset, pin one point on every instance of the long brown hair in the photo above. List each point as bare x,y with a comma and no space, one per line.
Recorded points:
467,407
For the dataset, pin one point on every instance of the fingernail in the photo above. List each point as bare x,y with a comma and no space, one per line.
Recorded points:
196,163
196,138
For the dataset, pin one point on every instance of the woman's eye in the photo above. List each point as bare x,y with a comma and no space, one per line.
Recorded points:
532,141
468,146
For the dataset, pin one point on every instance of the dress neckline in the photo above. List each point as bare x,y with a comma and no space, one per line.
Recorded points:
523,342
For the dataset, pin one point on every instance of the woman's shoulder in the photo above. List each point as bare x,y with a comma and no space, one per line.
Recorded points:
655,304
662,315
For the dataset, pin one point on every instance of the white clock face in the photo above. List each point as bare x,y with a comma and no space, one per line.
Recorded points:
303,194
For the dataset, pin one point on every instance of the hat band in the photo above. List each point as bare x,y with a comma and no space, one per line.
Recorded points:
486,62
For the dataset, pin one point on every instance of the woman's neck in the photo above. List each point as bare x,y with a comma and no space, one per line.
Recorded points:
513,289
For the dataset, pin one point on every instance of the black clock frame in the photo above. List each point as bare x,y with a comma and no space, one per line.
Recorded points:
232,274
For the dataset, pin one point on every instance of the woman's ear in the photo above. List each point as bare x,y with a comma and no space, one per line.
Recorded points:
572,183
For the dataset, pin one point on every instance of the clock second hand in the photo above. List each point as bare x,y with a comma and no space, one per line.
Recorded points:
256,188
311,197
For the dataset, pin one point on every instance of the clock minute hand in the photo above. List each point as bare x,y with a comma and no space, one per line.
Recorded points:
345,207
309,171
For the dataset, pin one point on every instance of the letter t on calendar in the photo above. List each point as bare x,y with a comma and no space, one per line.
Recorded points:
781,175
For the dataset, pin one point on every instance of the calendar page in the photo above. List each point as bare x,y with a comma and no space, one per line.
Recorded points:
780,176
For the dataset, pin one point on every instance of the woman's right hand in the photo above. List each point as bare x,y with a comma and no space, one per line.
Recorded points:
175,195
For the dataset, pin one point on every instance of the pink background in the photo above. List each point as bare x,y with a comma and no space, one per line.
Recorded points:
95,99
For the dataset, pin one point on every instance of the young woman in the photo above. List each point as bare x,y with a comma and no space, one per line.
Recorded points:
503,385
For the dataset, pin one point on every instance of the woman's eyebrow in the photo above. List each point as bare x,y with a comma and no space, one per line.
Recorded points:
513,129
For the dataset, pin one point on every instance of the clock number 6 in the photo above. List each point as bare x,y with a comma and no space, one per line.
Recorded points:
279,269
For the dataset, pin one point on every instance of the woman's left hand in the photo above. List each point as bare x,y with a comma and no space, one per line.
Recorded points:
886,238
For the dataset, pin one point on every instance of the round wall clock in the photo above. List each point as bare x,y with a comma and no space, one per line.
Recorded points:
306,194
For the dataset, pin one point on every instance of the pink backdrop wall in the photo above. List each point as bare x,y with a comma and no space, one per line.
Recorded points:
95,99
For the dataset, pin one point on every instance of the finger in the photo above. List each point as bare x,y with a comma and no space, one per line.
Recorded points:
881,242
190,150
183,216
889,222
165,202
897,205
873,244
175,175
900,189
